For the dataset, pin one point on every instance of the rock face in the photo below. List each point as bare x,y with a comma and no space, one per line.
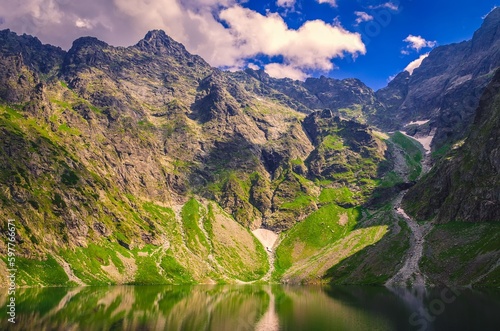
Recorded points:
465,184
349,98
446,88
89,131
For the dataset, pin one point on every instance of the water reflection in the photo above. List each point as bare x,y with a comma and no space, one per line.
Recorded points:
251,307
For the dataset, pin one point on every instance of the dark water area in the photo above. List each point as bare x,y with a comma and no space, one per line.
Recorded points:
251,307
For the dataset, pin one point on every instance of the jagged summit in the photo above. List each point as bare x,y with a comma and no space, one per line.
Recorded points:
445,89
157,41
488,35
144,164
87,41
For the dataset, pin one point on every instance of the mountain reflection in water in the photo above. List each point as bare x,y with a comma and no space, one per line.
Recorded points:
251,307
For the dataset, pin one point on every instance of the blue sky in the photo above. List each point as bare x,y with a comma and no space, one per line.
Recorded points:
442,21
371,40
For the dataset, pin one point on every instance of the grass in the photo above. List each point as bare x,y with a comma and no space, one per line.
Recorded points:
332,142
390,179
314,232
441,151
462,252
301,202
413,154
86,262
378,261
195,238
339,196
40,272
65,128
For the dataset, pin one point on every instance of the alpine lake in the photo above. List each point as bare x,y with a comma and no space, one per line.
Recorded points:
252,307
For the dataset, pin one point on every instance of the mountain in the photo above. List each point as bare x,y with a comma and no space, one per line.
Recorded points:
444,91
460,196
144,165
465,184
349,98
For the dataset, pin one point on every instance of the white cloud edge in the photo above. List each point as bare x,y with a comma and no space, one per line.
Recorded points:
389,5
362,17
280,70
332,3
415,63
417,43
492,9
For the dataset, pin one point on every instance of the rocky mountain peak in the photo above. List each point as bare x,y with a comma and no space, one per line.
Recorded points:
84,42
157,41
491,20
42,58
489,33
85,51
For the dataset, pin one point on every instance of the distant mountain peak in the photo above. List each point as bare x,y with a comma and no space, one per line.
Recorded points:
88,42
157,35
489,32
493,16
159,41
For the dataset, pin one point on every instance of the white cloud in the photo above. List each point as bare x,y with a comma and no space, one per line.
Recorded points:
83,23
416,63
332,3
362,17
278,70
253,66
285,3
389,5
195,23
417,42
312,46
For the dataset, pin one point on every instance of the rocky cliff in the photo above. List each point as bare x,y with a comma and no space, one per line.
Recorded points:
110,154
465,184
444,91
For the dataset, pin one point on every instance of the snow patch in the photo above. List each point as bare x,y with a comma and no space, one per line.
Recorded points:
266,237
417,122
425,141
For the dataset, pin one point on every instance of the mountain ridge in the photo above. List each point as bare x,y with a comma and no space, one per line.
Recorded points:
140,165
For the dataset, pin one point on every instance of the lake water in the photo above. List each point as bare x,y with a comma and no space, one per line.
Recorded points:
251,307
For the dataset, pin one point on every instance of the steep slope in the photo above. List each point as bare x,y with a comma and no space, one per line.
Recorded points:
349,98
444,91
461,195
145,165
464,185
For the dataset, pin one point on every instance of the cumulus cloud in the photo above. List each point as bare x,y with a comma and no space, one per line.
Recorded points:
83,23
362,17
221,31
312,46
332,3
253,66
416,63
278,70
417,43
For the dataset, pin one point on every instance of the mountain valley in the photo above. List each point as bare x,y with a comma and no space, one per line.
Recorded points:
145,165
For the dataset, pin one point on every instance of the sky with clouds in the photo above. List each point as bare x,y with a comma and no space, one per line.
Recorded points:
368,39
